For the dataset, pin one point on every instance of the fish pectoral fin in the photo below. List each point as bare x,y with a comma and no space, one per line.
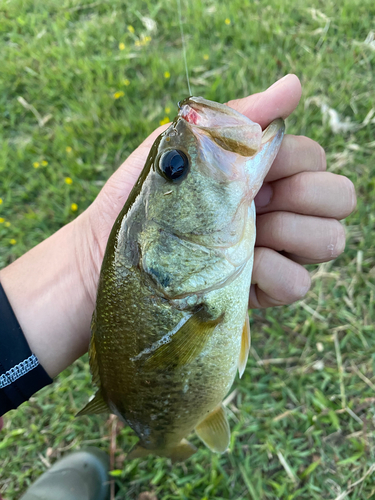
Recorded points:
186,343
96,405
245,346
179,453
214,431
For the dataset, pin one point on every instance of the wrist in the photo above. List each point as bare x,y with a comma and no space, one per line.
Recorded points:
47,292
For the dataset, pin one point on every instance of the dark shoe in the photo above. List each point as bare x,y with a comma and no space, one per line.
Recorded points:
82,475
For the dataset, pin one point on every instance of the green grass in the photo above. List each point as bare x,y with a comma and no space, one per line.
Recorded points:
303,426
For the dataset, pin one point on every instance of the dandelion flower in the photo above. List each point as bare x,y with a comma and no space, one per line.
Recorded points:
227,21
36,164
121,46
7,224
74,207
130,29
167,110
44,163
126,82
12,241
2,220
68,181
1,201
164,121
206,57
147,39
167,74
118,94
68,149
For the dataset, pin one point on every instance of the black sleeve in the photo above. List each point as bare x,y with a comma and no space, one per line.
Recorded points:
21,375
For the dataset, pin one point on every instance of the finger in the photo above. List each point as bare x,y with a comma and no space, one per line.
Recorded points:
278,101
322,194
297,154
312,239
276,280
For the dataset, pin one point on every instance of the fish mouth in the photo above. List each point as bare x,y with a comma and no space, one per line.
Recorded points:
206,114
227,127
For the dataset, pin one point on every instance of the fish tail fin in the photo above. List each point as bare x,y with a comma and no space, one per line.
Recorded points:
179,453
137,452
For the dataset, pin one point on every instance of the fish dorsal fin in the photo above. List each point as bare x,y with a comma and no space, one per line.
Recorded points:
245,346
186,343
96,405
214,431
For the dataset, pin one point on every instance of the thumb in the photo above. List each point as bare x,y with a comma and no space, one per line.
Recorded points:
278,101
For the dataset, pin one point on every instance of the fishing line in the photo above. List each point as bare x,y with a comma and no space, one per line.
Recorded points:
183,44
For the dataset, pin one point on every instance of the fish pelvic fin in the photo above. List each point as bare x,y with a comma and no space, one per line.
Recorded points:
96,405
214,430
186,344
179,453
245,346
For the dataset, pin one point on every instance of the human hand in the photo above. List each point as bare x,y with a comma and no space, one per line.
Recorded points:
297,208
52,288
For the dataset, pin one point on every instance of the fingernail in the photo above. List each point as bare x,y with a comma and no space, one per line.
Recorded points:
264,196
278,81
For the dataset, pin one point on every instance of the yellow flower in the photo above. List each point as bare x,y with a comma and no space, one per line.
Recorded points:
74,207
44,163
167,110
143,41
68,149
131,29
1,201
164,121
68,180
167,74
36,164
227,21
2,220
7,224
121,46
118,94
12,241
206,57
126,82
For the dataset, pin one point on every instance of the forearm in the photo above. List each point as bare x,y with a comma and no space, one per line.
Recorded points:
48,296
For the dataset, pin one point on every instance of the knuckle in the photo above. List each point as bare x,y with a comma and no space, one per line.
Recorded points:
299,187
313,153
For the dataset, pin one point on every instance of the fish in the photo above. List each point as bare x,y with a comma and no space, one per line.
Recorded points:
170,327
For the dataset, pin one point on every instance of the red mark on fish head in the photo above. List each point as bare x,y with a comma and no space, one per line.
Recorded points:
190,115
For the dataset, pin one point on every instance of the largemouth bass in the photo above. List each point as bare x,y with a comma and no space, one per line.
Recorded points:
171,326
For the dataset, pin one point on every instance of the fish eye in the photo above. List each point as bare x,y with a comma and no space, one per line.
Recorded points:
174,165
